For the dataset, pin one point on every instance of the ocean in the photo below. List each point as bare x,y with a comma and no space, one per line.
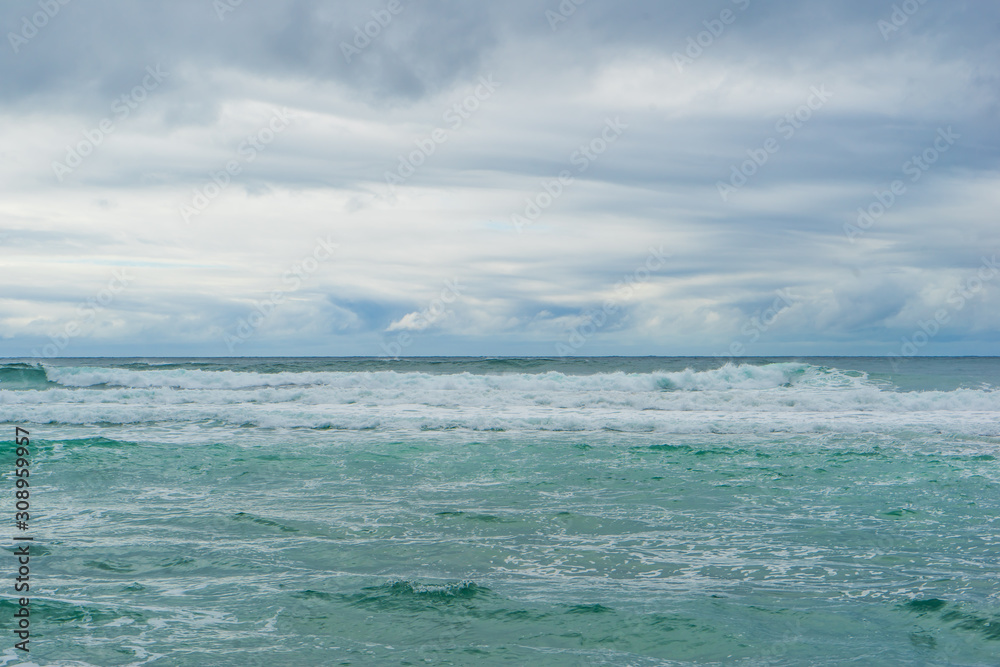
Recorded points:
501,511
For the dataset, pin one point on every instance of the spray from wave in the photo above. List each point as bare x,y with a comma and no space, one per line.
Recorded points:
787,396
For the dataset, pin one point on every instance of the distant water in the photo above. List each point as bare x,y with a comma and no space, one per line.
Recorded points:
607,511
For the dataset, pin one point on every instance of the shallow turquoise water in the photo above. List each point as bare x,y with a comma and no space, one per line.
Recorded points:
222,525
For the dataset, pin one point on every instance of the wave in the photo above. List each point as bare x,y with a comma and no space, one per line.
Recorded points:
733,398
23,376
727,377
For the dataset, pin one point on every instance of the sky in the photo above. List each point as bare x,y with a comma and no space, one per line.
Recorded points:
729,178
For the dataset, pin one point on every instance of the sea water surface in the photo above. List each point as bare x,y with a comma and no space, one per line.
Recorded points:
611,511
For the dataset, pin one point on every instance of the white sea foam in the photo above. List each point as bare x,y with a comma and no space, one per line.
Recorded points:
727,377
788,397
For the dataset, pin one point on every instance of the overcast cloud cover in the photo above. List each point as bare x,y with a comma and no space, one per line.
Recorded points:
362,214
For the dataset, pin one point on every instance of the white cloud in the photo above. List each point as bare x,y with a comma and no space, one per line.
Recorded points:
325,176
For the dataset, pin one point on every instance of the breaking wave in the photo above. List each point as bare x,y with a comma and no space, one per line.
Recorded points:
733,398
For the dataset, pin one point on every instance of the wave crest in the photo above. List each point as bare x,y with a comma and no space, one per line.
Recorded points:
779,396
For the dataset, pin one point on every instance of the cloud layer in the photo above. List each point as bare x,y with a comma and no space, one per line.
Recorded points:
580,177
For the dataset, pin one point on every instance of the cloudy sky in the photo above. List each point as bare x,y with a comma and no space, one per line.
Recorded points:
388,177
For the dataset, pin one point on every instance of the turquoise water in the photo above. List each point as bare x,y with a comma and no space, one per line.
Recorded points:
555,512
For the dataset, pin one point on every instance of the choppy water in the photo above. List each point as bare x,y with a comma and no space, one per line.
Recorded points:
507,511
